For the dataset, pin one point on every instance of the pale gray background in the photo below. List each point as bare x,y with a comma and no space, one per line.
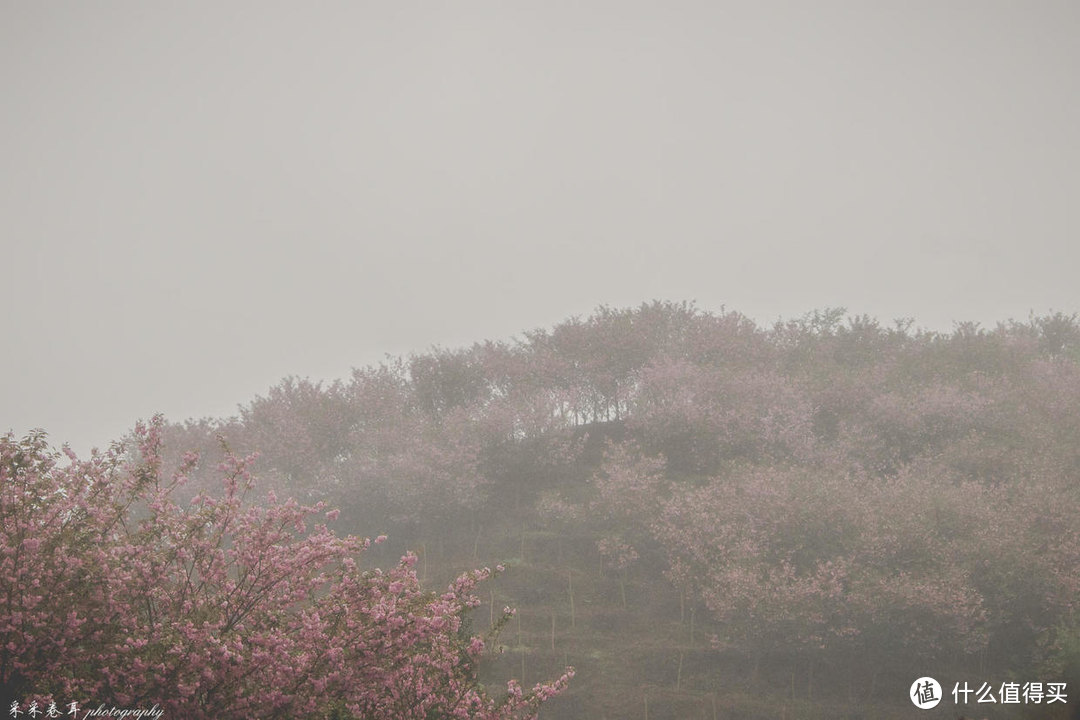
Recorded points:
200,198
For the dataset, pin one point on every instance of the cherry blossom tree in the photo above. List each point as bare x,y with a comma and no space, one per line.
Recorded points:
113,593
830,491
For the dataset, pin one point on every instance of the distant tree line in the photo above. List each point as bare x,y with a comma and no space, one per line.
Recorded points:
829,490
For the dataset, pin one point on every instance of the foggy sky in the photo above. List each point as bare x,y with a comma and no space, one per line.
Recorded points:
201,198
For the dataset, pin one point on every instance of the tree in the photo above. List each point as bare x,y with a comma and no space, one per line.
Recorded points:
112,593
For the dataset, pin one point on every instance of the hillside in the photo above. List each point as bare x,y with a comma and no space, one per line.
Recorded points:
713,519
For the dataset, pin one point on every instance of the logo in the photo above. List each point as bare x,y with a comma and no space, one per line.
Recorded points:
925,693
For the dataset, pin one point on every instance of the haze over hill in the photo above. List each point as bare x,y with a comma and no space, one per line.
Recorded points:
710,518
199,200
401,250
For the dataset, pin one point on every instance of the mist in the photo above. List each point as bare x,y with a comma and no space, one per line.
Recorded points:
406,253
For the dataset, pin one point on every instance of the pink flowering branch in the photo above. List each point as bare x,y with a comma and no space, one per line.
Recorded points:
114,593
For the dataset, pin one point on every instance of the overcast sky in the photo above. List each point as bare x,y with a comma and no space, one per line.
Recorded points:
200,198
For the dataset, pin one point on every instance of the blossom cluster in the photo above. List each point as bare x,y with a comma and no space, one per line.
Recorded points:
220,608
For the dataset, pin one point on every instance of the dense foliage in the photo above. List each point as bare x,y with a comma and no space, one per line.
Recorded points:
114,594
698,506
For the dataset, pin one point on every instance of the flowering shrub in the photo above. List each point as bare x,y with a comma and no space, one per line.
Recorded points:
110,592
